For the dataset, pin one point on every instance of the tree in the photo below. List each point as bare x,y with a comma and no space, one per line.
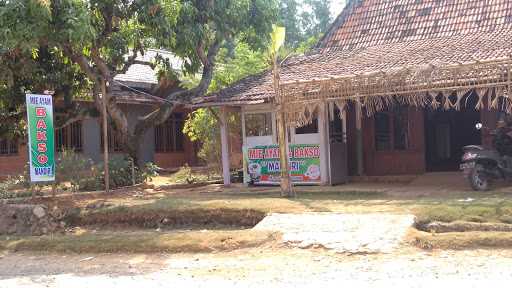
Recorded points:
97,36
303,20
202,125
289,18
242,61
40,70
317,18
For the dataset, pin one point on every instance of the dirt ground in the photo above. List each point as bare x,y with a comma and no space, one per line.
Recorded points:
272,265
262,267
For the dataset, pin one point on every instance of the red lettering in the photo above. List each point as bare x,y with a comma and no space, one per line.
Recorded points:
41,135
40,112
41,147
255,154
42,159
41,124
271,153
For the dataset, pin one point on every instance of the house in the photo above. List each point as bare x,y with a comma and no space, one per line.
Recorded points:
165,144
392,88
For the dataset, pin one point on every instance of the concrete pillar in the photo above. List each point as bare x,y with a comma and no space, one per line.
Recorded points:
359,138
224,140
323,130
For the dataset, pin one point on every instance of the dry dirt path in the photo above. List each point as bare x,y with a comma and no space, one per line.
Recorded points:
261,268
340,232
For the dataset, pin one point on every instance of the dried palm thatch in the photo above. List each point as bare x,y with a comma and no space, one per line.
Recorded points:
434,85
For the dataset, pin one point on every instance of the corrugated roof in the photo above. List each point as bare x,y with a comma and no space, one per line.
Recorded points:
382,35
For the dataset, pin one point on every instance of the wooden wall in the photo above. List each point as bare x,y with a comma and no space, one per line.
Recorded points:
410,161
489,120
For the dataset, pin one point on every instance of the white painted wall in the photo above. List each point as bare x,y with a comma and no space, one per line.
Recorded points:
314,138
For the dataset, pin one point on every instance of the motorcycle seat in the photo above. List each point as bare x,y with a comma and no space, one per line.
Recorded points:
473,147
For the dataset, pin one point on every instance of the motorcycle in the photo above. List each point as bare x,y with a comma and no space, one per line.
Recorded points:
481,166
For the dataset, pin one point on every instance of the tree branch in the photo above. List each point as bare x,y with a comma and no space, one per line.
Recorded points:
82,61
161,114
107,15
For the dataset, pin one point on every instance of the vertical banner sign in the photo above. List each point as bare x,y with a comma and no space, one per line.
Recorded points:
40,137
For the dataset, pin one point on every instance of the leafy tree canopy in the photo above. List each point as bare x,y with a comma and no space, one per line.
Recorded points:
103,37
303,20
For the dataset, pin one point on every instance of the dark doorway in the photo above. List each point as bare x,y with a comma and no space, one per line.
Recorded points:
338,149
446,133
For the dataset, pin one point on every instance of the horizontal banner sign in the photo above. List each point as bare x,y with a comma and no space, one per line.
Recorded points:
263,165
40,137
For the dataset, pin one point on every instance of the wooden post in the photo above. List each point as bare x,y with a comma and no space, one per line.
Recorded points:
105,136
323,130
224,140
286,184
359,138
134,182
278,36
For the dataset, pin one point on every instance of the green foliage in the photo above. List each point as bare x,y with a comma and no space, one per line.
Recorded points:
74,168
303,19
233,65
95,37
248,21
316,18
23,23
184,175
202,126
81,174
22,72
122,170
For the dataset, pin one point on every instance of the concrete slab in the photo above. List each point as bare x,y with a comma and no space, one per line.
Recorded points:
343,233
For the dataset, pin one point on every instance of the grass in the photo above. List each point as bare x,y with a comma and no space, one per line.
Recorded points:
494,209
140,242
461,240
196,210
478,211
187,175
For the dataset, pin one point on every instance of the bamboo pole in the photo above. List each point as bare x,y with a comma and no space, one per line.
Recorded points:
105,137
286,184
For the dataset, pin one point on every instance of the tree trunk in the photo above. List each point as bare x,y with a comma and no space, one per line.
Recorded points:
132,147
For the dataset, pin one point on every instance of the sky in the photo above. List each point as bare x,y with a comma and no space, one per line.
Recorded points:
336,7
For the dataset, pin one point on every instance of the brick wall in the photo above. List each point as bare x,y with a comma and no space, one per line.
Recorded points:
171,160
13,165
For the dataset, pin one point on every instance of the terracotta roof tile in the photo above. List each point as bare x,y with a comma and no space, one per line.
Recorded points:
366,23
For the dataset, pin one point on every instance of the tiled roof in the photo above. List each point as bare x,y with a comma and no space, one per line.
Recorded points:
375,22
142,76
452,50
250,89
139,75
382,35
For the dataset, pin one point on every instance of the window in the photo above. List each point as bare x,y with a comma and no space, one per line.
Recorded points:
258,124
401,129
114,141
308,129
382,131
392,129
8,147
69,137
169,136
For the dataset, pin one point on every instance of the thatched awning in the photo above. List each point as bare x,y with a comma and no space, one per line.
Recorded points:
414,72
